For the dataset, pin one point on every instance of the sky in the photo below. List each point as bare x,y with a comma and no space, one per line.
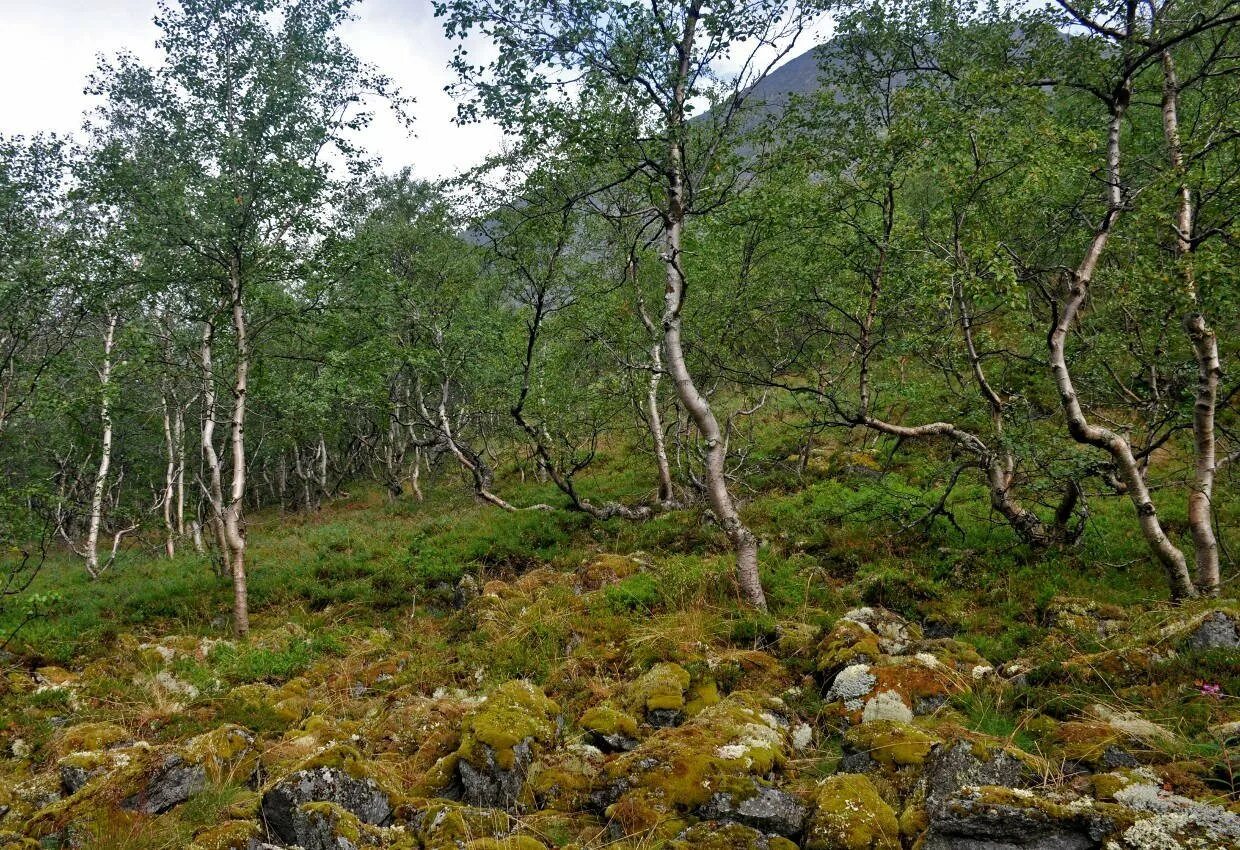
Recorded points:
49,47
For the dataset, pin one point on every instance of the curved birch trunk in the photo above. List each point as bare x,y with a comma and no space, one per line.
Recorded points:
1120,450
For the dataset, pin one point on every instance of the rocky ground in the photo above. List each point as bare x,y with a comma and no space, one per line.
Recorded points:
848,731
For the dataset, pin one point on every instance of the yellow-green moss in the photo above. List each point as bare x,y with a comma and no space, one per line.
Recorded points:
445,825
513,712
891,744
605,720
849,814
678,769
511,842
227,753
661,688
90,736
230,835
703,693
727,836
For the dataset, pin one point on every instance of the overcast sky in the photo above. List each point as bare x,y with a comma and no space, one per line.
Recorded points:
48,47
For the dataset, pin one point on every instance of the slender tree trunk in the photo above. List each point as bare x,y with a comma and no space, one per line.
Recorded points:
654,420
1120,450
211,458
234,529
1205,351
170,470
178,432
743,540
105,449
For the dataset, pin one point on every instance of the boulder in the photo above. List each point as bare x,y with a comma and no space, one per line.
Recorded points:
849,814
766,808
993,818
282,804
727,836
173,780
499,740
1217,631
730,748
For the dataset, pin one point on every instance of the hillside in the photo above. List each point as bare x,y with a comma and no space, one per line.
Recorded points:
444,675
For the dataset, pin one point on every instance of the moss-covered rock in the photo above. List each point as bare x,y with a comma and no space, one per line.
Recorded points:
609,728
227,754
499,740
727,749
658,695
849,814
230,835
711,835
446,825
86,737
888,744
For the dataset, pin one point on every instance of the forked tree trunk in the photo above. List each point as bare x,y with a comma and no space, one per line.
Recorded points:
1117,446
105,449
211,458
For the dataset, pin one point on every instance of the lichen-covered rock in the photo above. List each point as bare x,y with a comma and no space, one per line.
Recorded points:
173,780
953,766
1217,630
282,803
849,814
992,818
727,836
728,748
761,807
499,740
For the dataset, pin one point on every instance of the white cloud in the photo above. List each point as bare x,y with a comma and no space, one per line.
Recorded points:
47,50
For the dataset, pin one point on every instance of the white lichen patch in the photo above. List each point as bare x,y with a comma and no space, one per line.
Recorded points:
852,683
886,705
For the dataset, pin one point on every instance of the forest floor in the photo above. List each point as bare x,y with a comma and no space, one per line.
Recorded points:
441,674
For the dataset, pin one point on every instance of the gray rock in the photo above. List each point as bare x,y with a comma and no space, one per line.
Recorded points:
172,783
615,742
950,768
1217,631
768,809
968,822
281,807
662,718
492,786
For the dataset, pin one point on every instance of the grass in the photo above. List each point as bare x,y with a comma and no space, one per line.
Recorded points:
841,535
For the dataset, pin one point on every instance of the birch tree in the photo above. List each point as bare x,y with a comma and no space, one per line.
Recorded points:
624,79
226,150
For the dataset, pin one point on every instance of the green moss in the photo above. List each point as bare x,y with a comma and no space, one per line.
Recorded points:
727,836
662,687
605,720
849,814
726,747
231,835
890,744
91,736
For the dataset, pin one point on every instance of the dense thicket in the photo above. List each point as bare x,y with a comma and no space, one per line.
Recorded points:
1002,237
